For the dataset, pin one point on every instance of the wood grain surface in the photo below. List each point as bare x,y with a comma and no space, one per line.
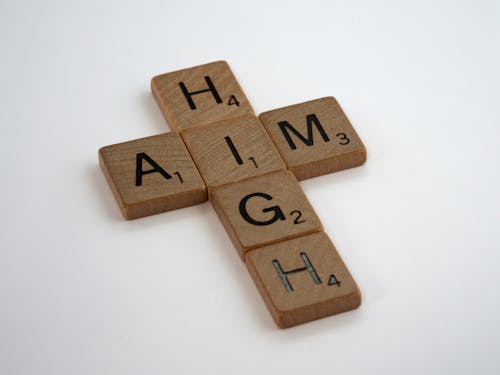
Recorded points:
303,279
263,210
314,138
152,175
232,150
200,95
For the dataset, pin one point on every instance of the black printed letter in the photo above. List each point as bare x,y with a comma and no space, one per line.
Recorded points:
309,141
278,214
189,95
234,151
139,172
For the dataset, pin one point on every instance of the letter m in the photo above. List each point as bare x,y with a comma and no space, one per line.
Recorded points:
309,141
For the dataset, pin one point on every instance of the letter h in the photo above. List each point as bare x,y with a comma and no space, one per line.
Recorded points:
284,275
189,95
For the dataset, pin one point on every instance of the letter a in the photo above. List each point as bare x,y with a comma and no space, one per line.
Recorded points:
156,168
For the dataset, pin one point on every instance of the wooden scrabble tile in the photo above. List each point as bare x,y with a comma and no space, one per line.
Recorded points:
263,210
200,95
303,279
314,138
152,175
232,150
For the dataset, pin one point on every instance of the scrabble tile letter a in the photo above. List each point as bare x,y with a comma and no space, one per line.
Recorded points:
200,95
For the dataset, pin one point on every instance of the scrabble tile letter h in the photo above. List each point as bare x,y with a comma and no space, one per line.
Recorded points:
200,95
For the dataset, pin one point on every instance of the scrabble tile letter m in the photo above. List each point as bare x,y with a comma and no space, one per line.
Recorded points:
314,138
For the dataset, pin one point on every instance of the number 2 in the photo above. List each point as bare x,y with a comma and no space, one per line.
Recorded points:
297,219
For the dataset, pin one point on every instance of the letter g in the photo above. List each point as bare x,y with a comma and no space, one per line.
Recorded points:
278,214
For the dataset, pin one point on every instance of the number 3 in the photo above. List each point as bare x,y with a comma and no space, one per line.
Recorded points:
343,138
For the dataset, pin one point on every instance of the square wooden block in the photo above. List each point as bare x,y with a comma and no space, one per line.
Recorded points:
303,279
200,95
232,150
314,138
263,210
152,175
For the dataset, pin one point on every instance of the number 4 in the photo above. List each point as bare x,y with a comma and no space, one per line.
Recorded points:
233,101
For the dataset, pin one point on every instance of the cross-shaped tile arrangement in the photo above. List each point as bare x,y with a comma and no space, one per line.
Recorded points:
248,167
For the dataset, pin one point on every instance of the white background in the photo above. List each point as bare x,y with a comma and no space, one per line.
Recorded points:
83,291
